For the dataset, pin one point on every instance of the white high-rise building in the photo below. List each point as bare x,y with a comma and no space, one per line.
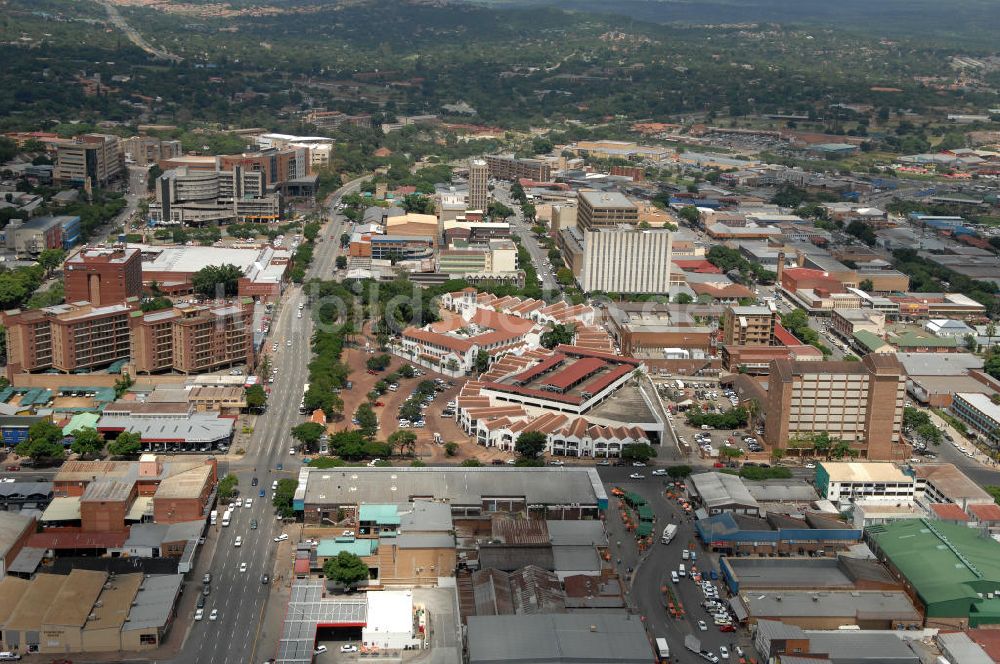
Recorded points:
624,260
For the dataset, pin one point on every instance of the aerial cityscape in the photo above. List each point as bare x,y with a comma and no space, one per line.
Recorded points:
499,332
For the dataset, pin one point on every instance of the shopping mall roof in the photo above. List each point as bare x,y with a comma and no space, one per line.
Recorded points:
863,472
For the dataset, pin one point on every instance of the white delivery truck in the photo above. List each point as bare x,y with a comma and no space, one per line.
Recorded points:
226,517
662,649
214,517
668,533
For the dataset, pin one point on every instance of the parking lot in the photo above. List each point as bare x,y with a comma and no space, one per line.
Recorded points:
709,397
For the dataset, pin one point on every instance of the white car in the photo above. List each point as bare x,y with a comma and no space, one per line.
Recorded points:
638,464
199,614
291,450
238,542
810,466
243,567
660,471
214,615
348,648
288,343
320,650
723,652
281,538
7,480
702,626
248,503
636,476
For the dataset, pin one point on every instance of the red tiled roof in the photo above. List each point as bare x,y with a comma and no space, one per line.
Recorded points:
302,566
949,512
53,539
785,337
501,322
539,368
587,352
576,372
443,340
698,266
986,512
725,290
539,394
602,381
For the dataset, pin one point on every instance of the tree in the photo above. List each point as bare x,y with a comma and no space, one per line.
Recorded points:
283,497
679,472
157,303
530,444
308,433
87,442
450,448
256,397
559,334
367,420
690,214
497,210
126,444
482,361
471,463
122,385
683,298
403,440
867,285
311,231
227,488
341,262
564,276
44,442
407,371
217,280
638,452
50,259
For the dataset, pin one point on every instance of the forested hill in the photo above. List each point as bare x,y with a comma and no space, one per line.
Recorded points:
939,18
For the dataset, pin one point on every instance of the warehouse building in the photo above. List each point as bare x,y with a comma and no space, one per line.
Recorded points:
556,493
832,609
83,612
952,572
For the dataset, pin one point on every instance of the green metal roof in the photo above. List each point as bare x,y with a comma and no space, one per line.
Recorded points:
387,515
81,421
360,547
871,342
918,340
945,563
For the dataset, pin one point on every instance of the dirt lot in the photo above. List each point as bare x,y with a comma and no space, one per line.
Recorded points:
388,413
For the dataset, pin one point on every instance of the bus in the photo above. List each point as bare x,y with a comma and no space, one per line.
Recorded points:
302,403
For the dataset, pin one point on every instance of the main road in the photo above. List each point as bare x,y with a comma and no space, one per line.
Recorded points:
240,596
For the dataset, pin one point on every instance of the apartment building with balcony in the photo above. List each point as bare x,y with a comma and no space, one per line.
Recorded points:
193,339
749,326
67,337
858,402
508,167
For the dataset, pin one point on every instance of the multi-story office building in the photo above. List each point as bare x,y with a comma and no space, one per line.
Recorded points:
67,337
30,238
479,192
193,339
749,326
980,413
495,257
104,275
147,150
93,158
185,196
278,165
626,261
857,402
603,209
508,167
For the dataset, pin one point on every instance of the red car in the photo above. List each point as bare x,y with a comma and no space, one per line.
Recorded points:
13,468
726,628
379,403
371,372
